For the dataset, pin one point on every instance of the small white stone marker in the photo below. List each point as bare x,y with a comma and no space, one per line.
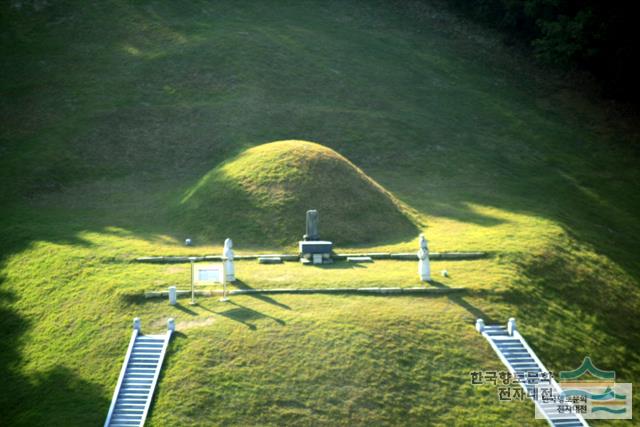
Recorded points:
444,273
136,324
511,326
227,257
480,325
424,270
172,295
187,242
171,325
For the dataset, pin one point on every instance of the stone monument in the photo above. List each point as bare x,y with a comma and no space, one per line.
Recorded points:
312,249
424,269
227,258
312,225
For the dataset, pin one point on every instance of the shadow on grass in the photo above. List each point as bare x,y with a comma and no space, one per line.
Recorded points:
185,309
243,314
37,399
437,284
243,285
575,313
476,312
133,299
177,340
459,299
246,315
337,265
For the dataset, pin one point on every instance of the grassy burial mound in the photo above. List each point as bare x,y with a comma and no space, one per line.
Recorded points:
261,195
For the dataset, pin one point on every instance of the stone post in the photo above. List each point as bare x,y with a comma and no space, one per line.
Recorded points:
172,295
227,257
480,325
424,270
136,324
511,326
171,325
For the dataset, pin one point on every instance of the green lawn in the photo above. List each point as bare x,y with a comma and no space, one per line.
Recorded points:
112,111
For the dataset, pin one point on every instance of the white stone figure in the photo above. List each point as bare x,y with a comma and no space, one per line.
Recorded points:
227,258
187,242
424,270
511,326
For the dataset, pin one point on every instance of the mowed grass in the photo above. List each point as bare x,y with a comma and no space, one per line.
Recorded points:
113,111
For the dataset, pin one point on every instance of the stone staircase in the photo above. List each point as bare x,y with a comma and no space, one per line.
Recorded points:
522,362
138,377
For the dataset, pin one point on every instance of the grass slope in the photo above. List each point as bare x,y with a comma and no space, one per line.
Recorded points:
112,109
263,194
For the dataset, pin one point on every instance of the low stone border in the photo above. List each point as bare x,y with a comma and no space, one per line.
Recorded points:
408,256
208,293
413,256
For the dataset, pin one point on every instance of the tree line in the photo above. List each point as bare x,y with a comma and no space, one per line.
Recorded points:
600,37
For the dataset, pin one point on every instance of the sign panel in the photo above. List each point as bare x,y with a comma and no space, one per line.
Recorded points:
208,274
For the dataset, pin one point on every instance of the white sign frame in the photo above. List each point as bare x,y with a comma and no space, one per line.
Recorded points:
216,270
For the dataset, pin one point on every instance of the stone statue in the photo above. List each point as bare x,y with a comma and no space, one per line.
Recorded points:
423,260
227,258
312,225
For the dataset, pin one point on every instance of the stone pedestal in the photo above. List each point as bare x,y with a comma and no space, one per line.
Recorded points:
315,251
312,249
424,270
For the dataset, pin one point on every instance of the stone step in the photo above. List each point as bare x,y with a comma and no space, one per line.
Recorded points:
516,355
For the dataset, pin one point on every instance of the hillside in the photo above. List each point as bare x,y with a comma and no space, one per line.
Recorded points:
121,123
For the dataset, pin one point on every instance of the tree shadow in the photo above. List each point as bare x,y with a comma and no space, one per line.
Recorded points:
57,396
84,403
576,312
